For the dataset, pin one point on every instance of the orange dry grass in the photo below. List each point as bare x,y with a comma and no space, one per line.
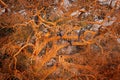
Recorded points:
45,44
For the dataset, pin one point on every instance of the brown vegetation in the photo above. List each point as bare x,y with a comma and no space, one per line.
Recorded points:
59,40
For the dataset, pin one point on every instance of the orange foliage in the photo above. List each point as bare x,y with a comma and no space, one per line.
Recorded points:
59,40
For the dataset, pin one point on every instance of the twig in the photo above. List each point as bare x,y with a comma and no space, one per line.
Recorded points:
3,4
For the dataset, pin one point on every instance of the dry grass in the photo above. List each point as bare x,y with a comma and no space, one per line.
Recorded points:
59,40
